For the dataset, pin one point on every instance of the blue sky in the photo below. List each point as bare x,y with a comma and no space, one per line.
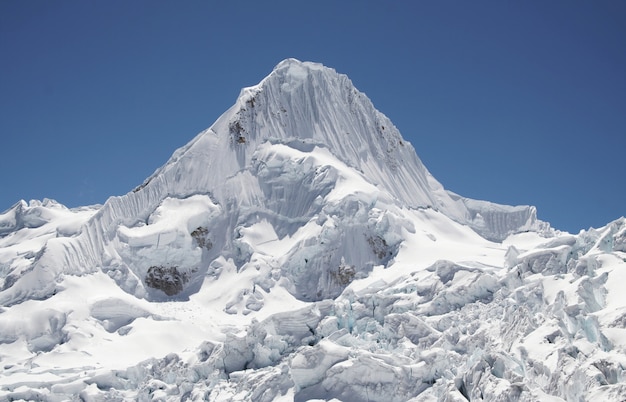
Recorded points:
513,102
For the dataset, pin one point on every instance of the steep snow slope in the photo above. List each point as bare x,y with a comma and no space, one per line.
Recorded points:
286,142
298,249
25,229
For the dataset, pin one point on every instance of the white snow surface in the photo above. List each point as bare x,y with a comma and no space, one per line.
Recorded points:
298,249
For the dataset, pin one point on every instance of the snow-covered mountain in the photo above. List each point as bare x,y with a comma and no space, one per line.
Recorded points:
298,249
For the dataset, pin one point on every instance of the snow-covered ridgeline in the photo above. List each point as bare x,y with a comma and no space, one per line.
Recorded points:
304,106
306,101
307,104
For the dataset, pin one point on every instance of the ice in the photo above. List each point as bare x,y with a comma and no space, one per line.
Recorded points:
8,219
309,366
299,250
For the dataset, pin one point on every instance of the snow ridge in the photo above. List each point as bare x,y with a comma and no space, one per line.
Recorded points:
298,249
305,106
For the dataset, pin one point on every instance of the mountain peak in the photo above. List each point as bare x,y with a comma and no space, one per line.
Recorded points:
298,249
302,145
288,71
294,69
292,65
304,103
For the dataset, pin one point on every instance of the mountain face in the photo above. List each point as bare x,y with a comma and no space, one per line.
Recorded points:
299,249
302,144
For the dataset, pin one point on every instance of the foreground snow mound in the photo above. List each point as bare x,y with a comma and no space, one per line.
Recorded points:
549,326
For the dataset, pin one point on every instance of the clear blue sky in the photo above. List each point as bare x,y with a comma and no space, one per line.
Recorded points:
517,102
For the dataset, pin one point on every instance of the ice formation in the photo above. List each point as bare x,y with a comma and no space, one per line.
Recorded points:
298,249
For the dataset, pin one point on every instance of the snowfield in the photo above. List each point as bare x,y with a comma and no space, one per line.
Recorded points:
297,250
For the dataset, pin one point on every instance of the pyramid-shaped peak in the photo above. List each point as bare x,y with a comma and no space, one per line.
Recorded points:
302,145
301,106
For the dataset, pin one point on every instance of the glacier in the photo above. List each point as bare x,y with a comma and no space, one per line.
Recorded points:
298,249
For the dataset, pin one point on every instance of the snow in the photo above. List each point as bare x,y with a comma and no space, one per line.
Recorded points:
299,250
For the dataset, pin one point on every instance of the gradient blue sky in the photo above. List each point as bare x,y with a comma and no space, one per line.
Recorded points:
516,102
